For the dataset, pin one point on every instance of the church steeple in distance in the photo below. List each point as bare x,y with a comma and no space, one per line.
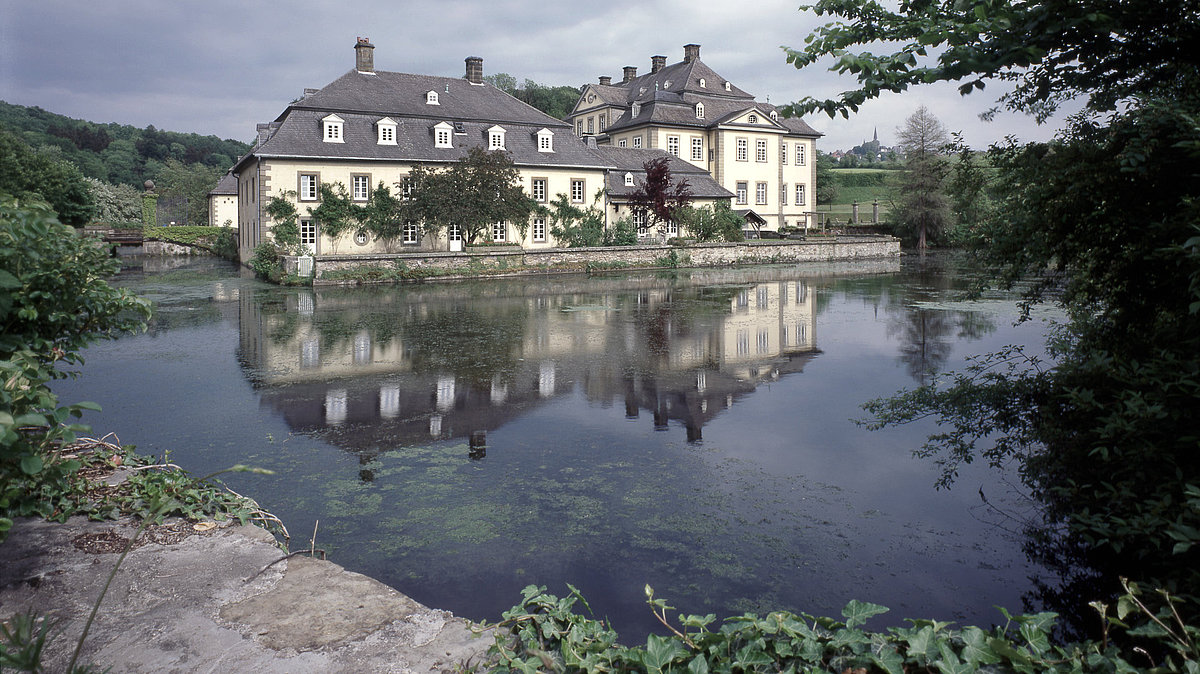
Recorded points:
876,138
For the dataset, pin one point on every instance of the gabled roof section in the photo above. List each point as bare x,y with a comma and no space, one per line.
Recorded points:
403,95
227,185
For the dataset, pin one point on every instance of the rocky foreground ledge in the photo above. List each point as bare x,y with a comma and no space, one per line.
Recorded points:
188,601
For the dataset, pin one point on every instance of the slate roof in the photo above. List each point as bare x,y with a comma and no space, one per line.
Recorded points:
670,96
362,99
632,160
227,185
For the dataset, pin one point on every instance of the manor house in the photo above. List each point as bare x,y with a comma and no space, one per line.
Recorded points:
371,127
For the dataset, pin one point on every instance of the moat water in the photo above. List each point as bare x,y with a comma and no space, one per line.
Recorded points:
690,430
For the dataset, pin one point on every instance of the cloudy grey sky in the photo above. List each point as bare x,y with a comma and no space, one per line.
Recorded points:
219,67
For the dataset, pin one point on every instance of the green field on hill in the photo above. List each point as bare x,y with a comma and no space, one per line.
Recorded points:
863,185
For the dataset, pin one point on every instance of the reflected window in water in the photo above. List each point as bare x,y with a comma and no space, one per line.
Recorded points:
499,390
336,406
445,393
546,379
701,381
389,401
763,297
362,348
743,342
310,354
435,426
764,341
305,304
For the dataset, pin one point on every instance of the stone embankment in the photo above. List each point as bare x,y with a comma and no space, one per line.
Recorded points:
549,260
217,601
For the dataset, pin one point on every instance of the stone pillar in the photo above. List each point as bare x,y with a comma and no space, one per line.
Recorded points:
149,206
854,212
875,212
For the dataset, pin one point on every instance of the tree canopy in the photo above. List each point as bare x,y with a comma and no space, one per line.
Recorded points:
26,173
1050,51
1102,220
482,189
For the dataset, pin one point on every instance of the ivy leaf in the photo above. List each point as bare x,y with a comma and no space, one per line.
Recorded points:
660,651
858,612
31,465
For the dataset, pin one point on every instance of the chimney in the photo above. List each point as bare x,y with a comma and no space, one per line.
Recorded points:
657,63
364,55
309,91
474,70
691,52
630,73
605,80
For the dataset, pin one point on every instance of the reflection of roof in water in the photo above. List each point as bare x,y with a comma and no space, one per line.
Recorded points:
371,415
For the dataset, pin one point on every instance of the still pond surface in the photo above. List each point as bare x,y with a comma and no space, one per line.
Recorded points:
692,431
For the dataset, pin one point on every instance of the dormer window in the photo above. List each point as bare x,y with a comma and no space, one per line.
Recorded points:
699,111
386,128
629,180
333,129
702,83
545,140
496,138
667,84
753,119
635,110
442,133
774,116
728,87
431,98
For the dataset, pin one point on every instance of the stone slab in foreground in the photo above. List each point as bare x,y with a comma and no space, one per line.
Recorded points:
181,602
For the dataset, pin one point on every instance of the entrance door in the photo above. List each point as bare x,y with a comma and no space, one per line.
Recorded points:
456,240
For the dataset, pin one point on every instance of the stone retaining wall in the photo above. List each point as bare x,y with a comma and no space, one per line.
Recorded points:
161,248
577,259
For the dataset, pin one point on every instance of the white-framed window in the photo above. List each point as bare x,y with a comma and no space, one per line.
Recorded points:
672,228
783,153
783,194
498,231
760,194
637,141
639,222
361,237
699,111
621,142
406,187
702,83
545,140
308,234
538,189
760,150
386,128
742,192
800,201
579,127
539,230
697,149
603,121
743,150
628,179
673,145
591,125
443,135
728,86
332,129
360,187
577,191
635,110
753,119
454,232
431,98
496,138
309,184
409,234
800,158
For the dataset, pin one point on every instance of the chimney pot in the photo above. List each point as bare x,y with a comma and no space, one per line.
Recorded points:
630,73
364,55
657,63
691,52
474,70
605,80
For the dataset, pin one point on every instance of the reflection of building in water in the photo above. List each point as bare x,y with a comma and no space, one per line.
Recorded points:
380,369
